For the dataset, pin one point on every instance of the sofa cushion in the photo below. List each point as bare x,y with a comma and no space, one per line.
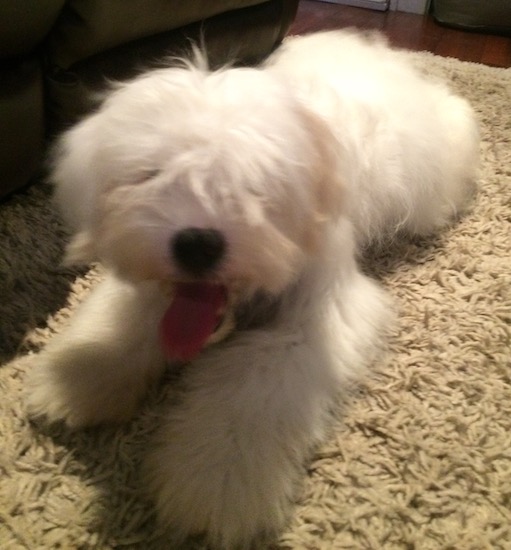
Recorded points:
89,27
242,35
23,24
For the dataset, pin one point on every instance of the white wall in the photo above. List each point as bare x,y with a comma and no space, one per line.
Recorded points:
411,6
380,5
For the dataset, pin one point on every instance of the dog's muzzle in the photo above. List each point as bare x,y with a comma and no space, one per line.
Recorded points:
200,311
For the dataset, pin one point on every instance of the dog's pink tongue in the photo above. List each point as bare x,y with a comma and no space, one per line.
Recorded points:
191,318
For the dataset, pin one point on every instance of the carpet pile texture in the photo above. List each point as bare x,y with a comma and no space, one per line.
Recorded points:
421,457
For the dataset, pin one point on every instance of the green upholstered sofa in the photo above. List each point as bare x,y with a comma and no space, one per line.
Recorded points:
53,53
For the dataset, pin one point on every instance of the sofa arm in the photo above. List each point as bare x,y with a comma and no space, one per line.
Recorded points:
21,123
23,26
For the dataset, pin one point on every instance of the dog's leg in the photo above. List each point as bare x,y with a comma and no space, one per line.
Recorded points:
230,454
100,366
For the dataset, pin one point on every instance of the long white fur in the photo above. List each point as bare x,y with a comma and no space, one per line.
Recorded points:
334,143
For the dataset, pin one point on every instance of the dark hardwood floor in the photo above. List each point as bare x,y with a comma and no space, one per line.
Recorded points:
405,30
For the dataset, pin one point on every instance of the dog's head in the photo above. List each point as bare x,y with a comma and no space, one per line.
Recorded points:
222,178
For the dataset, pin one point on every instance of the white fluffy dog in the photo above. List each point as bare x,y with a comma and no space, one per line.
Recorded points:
231,205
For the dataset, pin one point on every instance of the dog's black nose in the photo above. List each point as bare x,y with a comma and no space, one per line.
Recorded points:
198,250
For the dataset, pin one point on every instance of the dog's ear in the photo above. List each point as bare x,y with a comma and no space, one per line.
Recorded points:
326,169
74,171
325,176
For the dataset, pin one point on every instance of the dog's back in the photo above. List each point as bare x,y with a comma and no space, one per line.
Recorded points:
409,147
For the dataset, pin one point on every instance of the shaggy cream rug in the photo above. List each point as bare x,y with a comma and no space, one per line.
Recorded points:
421,457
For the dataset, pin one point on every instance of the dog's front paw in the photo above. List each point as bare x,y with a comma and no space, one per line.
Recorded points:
44,396
225,469
74,388
231,500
